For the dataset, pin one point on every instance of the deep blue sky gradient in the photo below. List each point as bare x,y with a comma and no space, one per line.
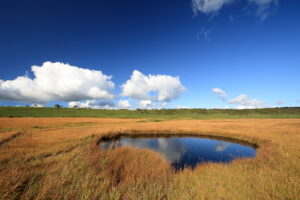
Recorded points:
241,56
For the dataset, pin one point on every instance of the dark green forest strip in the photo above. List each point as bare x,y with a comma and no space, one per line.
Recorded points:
288,112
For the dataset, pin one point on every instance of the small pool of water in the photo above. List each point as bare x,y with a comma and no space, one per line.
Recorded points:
185,151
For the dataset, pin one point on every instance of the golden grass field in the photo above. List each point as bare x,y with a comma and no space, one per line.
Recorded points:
58,158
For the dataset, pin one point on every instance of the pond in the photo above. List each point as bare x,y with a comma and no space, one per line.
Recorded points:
186,151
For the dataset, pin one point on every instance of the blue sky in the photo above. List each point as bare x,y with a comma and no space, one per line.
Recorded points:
248,49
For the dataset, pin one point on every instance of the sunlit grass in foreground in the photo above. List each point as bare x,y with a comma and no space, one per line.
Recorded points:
58,158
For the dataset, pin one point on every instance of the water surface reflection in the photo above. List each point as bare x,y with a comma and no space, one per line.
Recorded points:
186,151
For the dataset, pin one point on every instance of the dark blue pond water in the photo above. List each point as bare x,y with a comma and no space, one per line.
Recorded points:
186,151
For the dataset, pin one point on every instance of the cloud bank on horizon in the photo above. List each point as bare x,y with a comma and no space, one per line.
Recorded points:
58,82
242,101
211,7
83,87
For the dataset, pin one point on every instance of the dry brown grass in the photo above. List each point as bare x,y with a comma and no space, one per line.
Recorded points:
57,158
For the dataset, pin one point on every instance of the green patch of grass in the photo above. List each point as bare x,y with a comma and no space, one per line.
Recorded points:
37,127
164,114
3,130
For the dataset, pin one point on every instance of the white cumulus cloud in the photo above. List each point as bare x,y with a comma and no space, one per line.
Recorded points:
242,101
221,94
181,107
84,104
145,104
94,104
148,104
263,7
212,7
209,6
124,104
58,82
152,87
73,104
